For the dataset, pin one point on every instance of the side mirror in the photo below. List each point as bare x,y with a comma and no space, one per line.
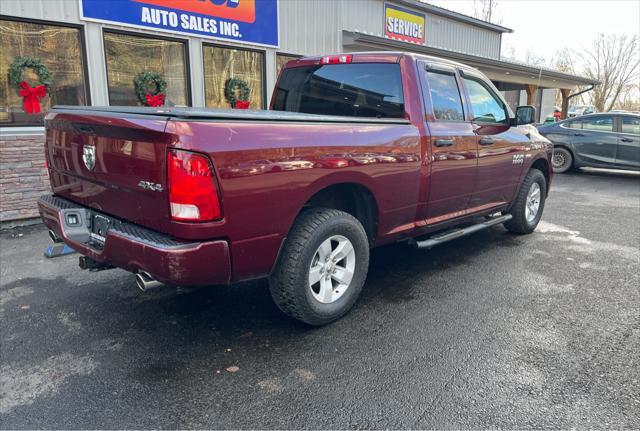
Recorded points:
525,115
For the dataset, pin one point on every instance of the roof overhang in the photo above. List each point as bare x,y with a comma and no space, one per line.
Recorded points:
496,70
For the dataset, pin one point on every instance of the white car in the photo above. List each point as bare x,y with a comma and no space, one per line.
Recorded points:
578,110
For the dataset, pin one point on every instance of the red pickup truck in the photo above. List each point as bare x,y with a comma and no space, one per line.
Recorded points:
358,150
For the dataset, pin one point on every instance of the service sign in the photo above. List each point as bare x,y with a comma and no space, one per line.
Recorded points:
403,24
245,21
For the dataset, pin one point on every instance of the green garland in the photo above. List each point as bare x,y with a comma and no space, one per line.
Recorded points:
17,68
230,90
144,80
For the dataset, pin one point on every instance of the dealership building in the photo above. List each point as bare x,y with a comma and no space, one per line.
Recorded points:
92,52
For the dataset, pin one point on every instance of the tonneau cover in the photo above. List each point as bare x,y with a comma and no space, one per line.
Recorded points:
223,114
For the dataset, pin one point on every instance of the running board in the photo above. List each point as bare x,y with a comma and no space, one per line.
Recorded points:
457,233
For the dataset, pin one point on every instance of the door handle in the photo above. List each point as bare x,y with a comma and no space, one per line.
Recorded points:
444,142
627,140
486,141
578,134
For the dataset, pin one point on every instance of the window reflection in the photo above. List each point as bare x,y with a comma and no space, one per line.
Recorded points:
445,97
486,108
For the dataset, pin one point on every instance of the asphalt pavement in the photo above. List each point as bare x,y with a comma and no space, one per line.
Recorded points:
489,331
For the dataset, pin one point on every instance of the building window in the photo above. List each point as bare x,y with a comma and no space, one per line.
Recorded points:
282,59
127,55
222,64
59,49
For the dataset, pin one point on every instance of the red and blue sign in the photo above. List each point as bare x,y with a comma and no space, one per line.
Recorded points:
244,21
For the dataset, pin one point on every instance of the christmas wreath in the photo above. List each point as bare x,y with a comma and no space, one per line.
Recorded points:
151,88
30,95
240,101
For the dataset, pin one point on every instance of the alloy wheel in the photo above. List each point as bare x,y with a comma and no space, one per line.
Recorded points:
332,269
533,202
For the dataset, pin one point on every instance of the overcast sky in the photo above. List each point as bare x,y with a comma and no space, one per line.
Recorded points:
548,26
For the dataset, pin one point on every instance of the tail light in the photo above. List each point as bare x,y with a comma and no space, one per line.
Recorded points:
193,195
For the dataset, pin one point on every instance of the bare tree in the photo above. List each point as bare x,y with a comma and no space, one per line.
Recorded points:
614,61
486,10
630,100
562,61
534,59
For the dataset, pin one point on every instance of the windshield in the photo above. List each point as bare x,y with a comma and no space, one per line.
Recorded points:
354,90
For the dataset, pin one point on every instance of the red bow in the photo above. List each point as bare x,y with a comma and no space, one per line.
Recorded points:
242,104
155,100
31,97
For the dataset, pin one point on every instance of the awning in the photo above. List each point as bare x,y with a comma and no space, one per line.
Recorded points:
496,70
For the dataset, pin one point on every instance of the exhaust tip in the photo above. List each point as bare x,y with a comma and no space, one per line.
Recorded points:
54,238
140,282
145,281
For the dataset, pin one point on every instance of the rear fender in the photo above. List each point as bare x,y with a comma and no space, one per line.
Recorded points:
333,179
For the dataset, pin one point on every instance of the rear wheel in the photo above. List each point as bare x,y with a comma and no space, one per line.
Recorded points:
529,204
562,160
323,267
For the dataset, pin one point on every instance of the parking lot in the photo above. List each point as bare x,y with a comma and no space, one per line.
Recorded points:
492,330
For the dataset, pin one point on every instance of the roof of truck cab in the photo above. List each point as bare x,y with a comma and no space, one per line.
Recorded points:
391,56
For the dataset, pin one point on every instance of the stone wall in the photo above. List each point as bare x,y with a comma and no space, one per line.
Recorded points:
23,177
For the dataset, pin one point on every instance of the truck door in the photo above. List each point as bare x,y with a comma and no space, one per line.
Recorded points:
628,152
452,144
500,147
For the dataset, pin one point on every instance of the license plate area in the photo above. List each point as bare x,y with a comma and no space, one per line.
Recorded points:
99,225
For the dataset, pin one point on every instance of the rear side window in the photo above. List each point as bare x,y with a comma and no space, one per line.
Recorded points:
631,125
353,90
445,96
574,125
486,107
600,124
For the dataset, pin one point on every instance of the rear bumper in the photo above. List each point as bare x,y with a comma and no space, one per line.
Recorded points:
135,248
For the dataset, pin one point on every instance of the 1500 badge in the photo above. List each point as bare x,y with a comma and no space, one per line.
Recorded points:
518,159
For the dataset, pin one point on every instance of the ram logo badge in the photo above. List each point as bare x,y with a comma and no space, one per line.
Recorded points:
148,185
89,156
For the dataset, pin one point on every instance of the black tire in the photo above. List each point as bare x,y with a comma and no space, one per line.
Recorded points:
519,223
289,282
562,160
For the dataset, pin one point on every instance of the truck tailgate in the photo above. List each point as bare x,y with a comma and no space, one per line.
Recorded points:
115,164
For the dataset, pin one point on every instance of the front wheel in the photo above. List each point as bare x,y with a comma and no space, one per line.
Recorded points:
529,203
323,267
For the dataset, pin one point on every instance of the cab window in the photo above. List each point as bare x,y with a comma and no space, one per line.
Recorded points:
574,125
445,96
631,125
486,106
600,124
352,89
